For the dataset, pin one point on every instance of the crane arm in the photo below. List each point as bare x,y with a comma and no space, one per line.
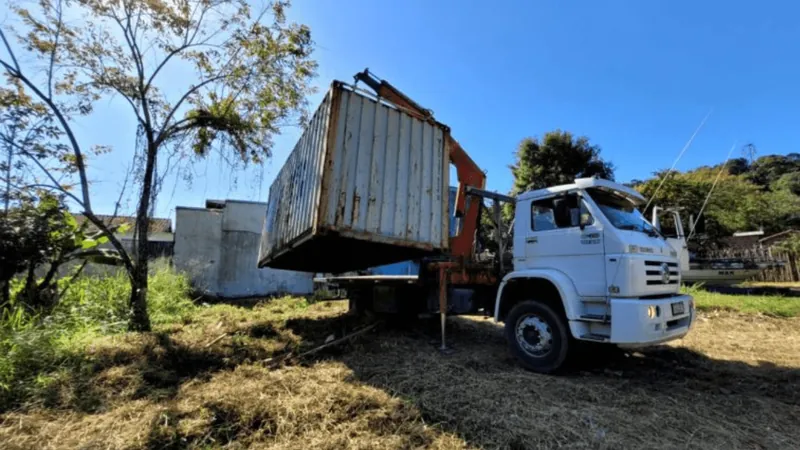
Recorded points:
469,174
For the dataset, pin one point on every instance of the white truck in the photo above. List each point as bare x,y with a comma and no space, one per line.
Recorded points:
587,266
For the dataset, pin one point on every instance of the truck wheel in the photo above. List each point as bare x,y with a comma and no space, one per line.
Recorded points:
538,336
359,302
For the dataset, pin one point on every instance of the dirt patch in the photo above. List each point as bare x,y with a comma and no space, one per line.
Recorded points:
732,383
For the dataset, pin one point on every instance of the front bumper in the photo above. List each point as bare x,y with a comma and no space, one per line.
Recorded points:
633,325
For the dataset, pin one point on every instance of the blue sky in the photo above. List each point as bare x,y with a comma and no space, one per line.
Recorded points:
636,77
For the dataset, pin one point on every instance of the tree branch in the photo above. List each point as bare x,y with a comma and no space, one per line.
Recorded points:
166,129
53,51
188,42
67,129
121,194
10,53
123,254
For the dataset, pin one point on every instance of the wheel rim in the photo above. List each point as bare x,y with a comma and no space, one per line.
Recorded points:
534,335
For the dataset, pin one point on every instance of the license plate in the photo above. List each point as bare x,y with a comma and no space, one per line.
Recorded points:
678,308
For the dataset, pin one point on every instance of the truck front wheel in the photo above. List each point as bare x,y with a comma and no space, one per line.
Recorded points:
537,336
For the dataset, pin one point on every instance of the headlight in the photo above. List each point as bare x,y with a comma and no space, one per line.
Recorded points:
637,249
653,311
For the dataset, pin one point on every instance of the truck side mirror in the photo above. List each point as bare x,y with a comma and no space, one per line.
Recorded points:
656,219
586,219
562,210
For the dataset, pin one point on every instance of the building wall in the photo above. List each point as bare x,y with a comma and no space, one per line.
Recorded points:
198,234
218,248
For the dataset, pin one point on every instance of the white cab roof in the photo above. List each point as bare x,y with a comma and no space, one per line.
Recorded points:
584,183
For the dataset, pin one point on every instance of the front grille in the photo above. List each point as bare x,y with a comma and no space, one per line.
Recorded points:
654,273
660,282
658,263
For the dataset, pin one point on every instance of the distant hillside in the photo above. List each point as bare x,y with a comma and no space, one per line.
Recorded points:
764,194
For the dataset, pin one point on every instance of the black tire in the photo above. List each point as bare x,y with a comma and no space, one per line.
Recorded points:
359,302
544,352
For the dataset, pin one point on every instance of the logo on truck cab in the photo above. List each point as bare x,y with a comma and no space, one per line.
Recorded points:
590,238
665,273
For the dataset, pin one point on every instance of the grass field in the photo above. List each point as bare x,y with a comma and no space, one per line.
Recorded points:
753,304
210,380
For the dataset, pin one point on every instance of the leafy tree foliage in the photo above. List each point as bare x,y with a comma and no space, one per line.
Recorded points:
251,71
767,170
788,182
557,158
761,195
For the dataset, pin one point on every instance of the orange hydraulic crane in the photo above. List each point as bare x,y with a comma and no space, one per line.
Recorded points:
469,174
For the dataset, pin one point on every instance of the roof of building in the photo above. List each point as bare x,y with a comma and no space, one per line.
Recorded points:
777,237
748,233
157,224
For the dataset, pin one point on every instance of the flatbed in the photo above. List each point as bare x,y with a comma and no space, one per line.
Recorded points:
370,279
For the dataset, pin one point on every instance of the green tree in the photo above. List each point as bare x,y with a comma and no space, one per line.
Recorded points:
735,204
558,158
788,182
766,170
251,73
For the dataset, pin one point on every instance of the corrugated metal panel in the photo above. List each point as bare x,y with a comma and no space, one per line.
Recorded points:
294,195
387,173
362,170
412,267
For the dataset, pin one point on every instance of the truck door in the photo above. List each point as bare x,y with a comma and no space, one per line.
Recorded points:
668,222
557,240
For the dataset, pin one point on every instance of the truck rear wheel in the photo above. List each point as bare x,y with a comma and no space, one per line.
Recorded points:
537,336
359,301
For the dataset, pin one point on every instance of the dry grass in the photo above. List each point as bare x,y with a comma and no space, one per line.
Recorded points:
777,284
732,383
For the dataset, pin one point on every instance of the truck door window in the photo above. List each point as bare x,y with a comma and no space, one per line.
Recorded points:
668,228
543,213
542,217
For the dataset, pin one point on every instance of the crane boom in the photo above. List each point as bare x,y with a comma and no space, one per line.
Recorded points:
469,174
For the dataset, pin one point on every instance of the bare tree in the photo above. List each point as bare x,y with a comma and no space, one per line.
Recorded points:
249,75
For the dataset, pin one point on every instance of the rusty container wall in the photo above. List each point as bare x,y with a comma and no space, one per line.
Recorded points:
366,185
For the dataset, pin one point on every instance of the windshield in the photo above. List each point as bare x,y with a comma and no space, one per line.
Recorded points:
621,212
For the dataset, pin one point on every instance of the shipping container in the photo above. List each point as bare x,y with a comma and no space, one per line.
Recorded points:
411,267
365,185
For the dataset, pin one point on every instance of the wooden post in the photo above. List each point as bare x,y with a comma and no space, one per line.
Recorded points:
443,302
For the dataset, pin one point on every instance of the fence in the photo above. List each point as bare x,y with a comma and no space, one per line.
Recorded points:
776,265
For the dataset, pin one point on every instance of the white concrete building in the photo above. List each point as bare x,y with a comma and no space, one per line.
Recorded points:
218,247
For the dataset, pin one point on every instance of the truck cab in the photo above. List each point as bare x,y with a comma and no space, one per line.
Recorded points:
588,267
